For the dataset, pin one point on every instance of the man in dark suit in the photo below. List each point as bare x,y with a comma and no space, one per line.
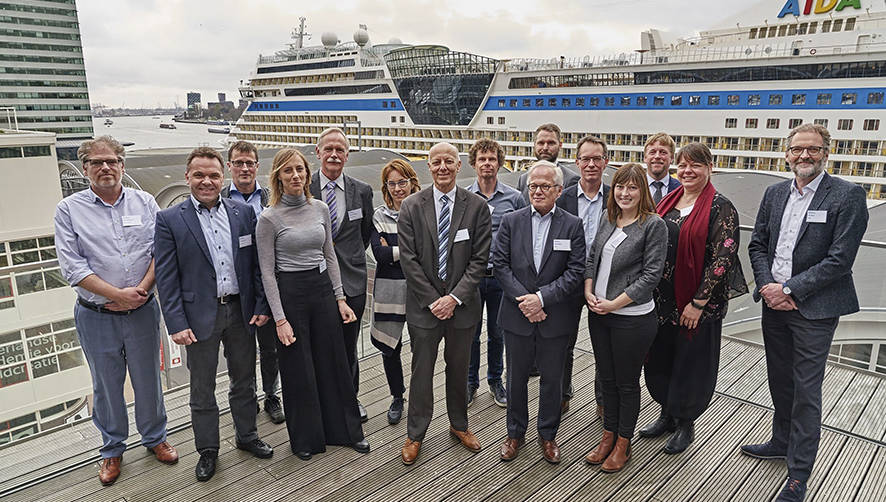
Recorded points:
210,291
805,239
243,163
587,200
539,261
350,210
658,154
444,234
547,147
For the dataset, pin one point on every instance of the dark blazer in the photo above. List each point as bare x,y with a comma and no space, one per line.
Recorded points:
560,277
186,277
568,199
570,178
353,234
265,194
465,265
821,280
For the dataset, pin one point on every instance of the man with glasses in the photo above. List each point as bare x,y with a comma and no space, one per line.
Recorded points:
540,262
104,237
547,147
658,154
486,156
444,234
587,200
243,163
805,240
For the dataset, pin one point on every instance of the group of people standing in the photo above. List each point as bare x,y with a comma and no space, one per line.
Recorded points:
653,258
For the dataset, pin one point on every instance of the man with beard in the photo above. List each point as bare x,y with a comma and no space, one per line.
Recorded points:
804,243
547,147
658,154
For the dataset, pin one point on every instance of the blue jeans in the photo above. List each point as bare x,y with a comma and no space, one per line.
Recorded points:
490,294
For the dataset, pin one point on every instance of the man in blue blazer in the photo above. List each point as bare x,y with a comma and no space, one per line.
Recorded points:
210,291
658,154
805,239
539,260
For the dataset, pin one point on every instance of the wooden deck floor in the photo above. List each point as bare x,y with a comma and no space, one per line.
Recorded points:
851,464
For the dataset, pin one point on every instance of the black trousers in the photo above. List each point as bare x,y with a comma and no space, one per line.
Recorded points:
621,343
267,356
548,355
239,349
796,353
681,372
394,370
351,332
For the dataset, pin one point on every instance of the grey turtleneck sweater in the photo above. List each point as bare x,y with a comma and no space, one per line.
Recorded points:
292,236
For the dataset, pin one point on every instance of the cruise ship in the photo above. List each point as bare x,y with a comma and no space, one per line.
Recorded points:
738,88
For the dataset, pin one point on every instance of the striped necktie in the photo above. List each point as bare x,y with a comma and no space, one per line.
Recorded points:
443,235
333,212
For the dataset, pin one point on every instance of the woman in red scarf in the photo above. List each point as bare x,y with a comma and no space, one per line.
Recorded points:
702,273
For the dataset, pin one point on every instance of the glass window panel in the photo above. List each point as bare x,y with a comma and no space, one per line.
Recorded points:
775,99
23,245
5,287
11,354
641,100
48,254
29,283
10,336
68,360
713,100
62,325
38,347
45,366
13,375
66,341
754,99
26,257
857,351
37,151
676,100
732,99
52,410
43,329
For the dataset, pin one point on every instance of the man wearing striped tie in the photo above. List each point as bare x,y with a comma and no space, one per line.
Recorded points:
444,234
350,211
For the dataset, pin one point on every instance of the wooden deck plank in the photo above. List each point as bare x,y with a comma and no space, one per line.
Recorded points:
852,403
843,480
874,485
870,423
750,382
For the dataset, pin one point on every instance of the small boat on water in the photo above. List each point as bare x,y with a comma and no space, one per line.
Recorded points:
165,125
156,118
109,122
219,130
218,122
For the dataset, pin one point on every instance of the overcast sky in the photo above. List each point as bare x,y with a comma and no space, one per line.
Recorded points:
152,52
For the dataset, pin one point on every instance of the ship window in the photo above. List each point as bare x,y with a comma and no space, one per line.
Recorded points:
490,120
713,100
512,103
801,30
539,102
501,121
772,123
875,98
750,123
849,98
609,100
731,123
384,104
753,33
566,102
772,31
625,101
826,26
798,99
580,102
792,30
775,99
823,99
850,24
813,27
732,99
393,119
821,122
676,100
501,103
552,101
393,105
641,100
593,101
844,124
527,103
794,123
872,124
402,119
753,99
658,101
694,100
838,25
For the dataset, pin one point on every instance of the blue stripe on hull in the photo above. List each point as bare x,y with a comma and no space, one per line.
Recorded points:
327,105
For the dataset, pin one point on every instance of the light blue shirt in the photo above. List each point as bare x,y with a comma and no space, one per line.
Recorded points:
541,227
113,241
254,199
503,201
589,210
438,206
217,232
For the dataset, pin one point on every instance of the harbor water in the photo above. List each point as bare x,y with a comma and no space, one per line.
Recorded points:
145,132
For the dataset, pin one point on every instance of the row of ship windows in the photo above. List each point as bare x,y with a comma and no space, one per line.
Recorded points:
802,28
842,124
326,77
797,99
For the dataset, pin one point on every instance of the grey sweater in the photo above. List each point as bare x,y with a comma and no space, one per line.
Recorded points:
292,236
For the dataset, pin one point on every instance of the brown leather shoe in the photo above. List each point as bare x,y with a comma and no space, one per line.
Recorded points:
598,455
467,438
599,411
110,470
550,451
564,407
164,453
510,448
409,452
619,456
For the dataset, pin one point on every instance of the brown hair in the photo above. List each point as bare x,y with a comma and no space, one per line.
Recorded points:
281,159
205,152
550,128
695,152
816,128
664,139
244,147
630,173
405,170
486,145
594,140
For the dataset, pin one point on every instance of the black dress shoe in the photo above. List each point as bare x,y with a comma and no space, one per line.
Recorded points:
257,447
395,412
364,417
274,409
304,455
206,465
361,446
765,451
664,423
680,440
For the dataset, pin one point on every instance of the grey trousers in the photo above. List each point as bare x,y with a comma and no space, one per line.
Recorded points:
239,349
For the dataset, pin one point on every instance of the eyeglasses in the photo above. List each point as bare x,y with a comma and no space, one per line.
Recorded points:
597,160
397,184
544,188
97,163
244,163
813,151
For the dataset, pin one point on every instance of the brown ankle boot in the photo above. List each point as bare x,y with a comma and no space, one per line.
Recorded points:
599,454
619,456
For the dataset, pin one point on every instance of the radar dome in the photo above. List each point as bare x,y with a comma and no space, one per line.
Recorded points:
395,41
329,39
361,36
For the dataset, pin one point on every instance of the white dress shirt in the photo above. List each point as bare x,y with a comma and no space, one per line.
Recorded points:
791,221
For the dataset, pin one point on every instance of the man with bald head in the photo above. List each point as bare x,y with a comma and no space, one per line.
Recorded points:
444,235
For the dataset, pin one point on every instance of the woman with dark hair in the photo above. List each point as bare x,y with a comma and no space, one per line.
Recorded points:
702,273
398,181
303,287
623,268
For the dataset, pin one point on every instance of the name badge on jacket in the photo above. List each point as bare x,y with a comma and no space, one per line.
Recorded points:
461,235
562,245
355,214
245,240
816,216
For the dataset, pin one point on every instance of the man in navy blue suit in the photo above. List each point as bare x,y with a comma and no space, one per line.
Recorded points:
210,291
658,154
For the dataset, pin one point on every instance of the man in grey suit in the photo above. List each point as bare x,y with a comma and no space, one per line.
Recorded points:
350,211
658,154
539,261
805,239
444,234
547,147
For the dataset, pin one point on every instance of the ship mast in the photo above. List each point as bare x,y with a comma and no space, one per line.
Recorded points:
299,34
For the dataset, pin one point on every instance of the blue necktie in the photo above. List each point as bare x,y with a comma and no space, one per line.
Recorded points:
443,236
